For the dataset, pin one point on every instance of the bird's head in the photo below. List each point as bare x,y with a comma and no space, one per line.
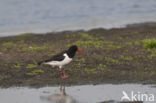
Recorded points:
74,49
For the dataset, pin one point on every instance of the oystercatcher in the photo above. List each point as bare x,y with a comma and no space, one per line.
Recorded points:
62,59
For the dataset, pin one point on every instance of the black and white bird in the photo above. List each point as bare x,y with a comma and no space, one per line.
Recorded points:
62,59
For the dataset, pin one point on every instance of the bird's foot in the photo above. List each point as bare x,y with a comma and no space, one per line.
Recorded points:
64,76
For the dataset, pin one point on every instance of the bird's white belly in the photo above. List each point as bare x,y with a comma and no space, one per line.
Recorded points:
60,63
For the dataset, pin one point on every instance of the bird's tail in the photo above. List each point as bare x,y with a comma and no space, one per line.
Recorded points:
41,62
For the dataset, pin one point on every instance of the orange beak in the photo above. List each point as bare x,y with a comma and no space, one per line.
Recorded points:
81,52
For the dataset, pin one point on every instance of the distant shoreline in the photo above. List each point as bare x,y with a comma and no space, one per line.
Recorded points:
45,32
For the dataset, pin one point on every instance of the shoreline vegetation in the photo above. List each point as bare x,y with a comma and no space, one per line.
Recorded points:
117,55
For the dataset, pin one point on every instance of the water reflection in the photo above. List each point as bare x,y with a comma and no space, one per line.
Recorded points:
73,94
61,97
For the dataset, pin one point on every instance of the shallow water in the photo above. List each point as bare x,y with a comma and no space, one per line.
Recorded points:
74,94
20,16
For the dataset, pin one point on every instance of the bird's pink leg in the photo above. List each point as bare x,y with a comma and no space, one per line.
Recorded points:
63,74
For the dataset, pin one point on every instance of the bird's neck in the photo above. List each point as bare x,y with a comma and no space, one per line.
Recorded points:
71,54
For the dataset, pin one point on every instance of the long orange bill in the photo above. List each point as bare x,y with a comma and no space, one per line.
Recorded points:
81,52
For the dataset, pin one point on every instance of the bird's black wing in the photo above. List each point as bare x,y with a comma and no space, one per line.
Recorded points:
58,57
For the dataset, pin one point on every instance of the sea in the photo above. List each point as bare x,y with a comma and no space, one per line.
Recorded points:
41,16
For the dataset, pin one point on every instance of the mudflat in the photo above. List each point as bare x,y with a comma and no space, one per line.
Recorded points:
119,55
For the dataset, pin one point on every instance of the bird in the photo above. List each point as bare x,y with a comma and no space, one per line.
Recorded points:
61,59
